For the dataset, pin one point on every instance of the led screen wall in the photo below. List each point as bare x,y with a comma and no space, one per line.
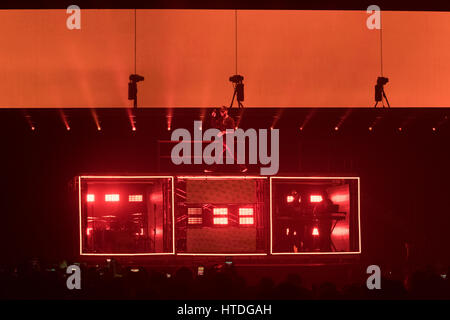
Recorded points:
125,215
218,215
315,215
288,58
221,215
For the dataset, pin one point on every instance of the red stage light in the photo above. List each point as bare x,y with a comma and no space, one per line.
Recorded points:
90,198
169,117
89,230
220,212
246,216
220,220
135,198
194,211
195,216
112,197
246,220
340,197
195,220
316,198
245,211
290,199
315,231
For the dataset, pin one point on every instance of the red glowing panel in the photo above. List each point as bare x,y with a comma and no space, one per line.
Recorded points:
246,220
316,198
112,197
195,216
90,198
135,198
194,211
315,231
339,198
220,211
246,216
342,231
221,221
156,197
290,199
195,220
245,211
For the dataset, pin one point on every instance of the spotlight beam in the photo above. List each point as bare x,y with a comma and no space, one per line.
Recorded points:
95,117
64,119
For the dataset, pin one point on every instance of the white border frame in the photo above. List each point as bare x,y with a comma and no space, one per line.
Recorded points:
199,177
221,178
315,253
124,254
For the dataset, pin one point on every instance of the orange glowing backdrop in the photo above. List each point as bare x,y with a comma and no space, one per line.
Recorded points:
288,58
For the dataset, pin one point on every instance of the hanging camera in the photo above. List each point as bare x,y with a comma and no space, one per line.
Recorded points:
238,89
237,78
132,87
379,91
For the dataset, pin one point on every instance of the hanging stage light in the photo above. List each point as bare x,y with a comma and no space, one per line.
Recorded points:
238,89
379,91
381,81
132,87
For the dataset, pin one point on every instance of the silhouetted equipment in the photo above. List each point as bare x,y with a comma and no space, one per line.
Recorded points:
238,90
132,90
379,91
132,87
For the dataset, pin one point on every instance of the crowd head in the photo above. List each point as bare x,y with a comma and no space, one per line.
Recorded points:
110,280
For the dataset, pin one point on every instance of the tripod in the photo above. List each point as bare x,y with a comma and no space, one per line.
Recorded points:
239,94
379,95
